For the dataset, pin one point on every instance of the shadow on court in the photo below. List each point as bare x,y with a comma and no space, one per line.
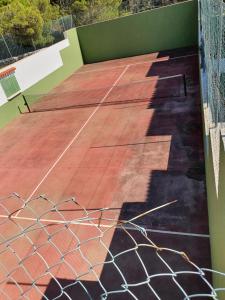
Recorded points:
131,265
179,52
184,180
135,269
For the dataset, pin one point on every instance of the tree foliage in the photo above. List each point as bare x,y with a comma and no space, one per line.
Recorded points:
25,19
47,11
23,22
135,6
4,2
30,21
90,11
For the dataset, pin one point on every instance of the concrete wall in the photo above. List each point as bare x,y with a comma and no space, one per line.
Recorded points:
216,201
70,59
33,68
216,211
163,28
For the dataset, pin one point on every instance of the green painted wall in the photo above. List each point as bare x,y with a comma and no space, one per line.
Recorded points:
216,211
216,202
163,28
72,60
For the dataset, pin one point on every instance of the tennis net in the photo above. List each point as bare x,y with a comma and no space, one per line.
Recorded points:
136,91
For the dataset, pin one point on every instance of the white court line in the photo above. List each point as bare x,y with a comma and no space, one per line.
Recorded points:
73,139
168,77
153,79
53,221
137,63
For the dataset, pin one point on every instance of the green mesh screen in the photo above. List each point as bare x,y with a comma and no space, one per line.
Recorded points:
10,85
212,41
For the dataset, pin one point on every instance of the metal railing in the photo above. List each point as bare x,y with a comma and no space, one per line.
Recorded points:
11,49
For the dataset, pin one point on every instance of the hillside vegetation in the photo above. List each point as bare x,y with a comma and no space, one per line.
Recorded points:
29,21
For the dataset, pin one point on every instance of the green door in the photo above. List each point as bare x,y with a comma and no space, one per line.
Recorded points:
10,85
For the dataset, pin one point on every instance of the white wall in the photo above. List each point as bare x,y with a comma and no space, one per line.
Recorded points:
3,98
33,68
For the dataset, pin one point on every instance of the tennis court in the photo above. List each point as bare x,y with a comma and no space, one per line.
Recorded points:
121,134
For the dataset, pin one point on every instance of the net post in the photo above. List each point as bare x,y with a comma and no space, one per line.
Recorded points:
19,109
26,103
185,85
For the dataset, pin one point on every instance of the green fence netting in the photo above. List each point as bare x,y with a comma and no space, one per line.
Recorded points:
212,41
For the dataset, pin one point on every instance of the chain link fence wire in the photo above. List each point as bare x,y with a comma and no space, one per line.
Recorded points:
212,50
62,250
11,49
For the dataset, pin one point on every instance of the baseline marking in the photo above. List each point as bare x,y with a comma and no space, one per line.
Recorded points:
137,63
53,221
74,138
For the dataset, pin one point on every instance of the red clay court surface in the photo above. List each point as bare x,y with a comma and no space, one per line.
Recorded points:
131,156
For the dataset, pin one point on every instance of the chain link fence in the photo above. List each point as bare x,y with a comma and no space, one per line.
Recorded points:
12,50
61,250
212,41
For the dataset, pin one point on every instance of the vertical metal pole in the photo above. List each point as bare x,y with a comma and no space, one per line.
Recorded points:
62,21
6,45
185,85
33,45
26,103
19,109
